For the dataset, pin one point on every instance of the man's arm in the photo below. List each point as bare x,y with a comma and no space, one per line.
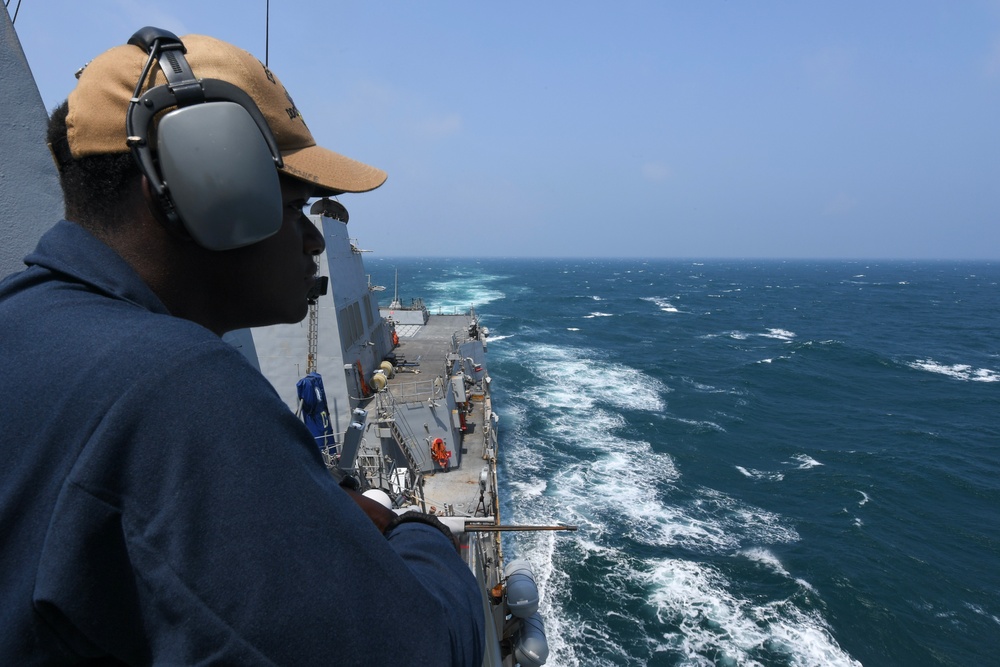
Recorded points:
224,535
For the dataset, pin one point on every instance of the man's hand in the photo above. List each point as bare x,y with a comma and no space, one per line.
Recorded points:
379,515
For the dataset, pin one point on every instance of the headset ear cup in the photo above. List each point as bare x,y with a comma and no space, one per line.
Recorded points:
220,174
216,159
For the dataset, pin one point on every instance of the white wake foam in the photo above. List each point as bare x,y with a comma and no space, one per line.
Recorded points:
714,622
581,465
461,291
574,378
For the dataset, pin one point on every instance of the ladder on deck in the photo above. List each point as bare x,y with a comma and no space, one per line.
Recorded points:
404,446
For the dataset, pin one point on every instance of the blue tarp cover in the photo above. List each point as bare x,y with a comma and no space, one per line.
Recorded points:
315,413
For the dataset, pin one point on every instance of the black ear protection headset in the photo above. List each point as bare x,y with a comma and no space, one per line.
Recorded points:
213,160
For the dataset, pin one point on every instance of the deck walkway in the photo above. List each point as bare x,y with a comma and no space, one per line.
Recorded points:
423,352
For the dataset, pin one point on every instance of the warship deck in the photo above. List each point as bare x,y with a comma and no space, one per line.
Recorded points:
422,358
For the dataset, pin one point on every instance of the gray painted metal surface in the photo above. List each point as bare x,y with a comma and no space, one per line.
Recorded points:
30,198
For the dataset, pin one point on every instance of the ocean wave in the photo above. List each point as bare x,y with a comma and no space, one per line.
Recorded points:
771,360
767,558
527,489
742,522
975,608
662,304
619,496
805,462
725,629
700,425
736,334
574,379
622,494
779,334
703,388
597,314
761,474
459,292
962,372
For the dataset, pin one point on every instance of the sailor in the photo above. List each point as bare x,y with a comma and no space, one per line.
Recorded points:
159,504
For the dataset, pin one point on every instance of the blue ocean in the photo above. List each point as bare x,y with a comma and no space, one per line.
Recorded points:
770,462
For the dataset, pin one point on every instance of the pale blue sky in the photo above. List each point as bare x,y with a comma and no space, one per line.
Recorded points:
849,129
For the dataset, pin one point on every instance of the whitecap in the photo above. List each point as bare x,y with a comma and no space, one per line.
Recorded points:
779,334
962,372
572,328
593,315
864,499
805,461
771,360
700,424
982,612
662,304
767,558
761,474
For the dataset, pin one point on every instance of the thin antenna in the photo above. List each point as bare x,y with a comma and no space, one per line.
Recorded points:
267,30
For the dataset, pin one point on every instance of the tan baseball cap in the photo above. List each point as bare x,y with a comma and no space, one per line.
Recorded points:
98,105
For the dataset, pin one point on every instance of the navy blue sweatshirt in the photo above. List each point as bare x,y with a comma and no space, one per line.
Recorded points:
160,505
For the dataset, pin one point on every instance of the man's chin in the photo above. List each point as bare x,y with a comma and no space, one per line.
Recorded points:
290,316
